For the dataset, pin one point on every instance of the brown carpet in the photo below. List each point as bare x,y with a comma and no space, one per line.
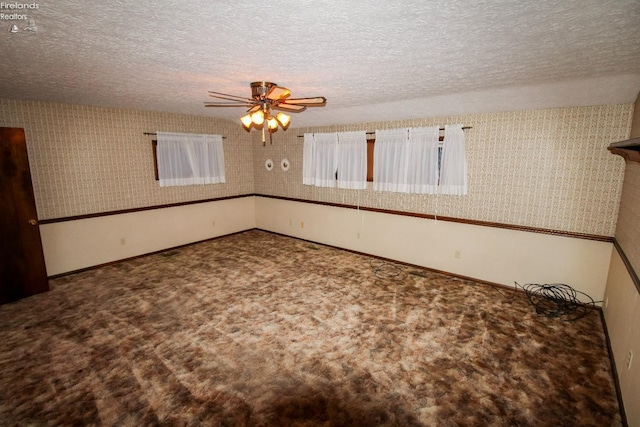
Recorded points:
257,329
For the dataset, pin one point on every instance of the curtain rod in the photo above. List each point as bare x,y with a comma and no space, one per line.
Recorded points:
373,133
155,134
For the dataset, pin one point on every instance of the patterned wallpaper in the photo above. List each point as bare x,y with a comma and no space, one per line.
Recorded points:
88,159
540,168
628,229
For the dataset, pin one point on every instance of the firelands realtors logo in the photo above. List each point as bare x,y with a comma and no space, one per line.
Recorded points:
18,16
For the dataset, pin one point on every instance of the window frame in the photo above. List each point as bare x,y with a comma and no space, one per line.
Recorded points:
154,144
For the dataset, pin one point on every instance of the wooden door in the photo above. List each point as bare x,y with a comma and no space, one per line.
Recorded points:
22,268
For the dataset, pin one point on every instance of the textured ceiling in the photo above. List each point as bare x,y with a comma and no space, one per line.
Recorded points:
372,60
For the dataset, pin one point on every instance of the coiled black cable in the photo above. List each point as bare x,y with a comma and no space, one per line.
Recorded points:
558,300
386,270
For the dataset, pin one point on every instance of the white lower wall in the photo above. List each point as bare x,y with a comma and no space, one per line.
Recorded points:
73,245
486,253
622,315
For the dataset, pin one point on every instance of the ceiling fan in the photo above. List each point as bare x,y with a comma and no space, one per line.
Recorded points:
266,96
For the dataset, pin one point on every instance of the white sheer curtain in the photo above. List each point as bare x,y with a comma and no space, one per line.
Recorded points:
453,176
308,162
406,160
319,162
186,159
352,160
389,160
422,161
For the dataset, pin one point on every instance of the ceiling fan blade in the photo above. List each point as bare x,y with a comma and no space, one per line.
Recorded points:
229,97
253,109
278,92
289,107
226,104
311,102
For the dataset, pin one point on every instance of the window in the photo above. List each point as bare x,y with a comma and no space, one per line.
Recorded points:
415,160
406,160
371,141
352,160
187,159
453,172
436,167
335,159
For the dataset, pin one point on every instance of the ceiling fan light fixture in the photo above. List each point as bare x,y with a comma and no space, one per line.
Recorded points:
258,117
283,119
272,123
265,98
246,121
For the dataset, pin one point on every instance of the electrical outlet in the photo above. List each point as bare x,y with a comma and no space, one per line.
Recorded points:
301,224
629,359
457,254
123,241
358,234
213,223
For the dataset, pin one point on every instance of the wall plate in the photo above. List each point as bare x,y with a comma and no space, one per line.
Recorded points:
284,164
268,164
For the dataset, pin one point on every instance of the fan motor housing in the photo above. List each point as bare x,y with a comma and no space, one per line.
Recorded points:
259,90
